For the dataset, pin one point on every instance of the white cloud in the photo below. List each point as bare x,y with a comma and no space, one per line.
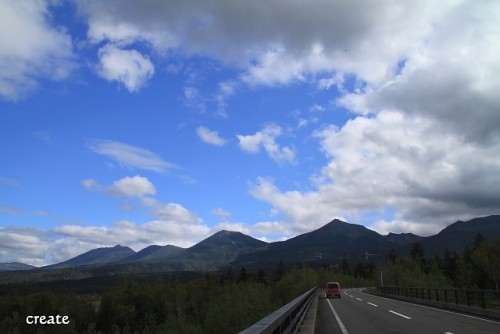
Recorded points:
266,138
226,90
422,78
171,212
41,247
221,213
72,240
411,165
130,156
304,211
23,245
268,228
128,67
90,184
210,137
30,48
136,186
173,224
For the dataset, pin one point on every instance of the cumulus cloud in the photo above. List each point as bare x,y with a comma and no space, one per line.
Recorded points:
262,39
452,79
266,139
171,212
412,166
210,137
131,156
41,247
137,186
172,224
128,67
30,48
269,228
421,79
72,240
23,245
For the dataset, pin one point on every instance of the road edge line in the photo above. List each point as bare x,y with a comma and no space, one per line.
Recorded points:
341,324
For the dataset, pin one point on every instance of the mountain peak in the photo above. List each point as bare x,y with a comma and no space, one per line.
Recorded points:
225,237
337,221
403,238
96,256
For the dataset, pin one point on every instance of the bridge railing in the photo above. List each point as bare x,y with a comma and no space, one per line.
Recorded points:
480,302
286,319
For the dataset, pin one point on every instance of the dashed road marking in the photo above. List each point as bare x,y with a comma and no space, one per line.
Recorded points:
399,314
359,299
372,304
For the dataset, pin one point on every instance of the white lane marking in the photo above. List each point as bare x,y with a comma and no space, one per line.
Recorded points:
372,304
401,315
341,325
441,310
448,333
359,299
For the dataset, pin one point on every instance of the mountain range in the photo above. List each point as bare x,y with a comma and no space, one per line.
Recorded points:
329,244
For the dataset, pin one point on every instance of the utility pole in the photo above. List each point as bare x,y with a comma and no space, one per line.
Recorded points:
385,266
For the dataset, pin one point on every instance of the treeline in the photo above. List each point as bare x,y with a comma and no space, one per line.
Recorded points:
474,268
230,301
225,303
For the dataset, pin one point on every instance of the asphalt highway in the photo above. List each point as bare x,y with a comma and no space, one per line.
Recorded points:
358,312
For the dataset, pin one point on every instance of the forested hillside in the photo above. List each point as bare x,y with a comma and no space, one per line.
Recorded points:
231,300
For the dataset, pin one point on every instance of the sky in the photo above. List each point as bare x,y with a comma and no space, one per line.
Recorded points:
162,122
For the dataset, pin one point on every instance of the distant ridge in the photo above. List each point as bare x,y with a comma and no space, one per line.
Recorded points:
99,256
8,266
331,242
402,239
153,253
328,244
216,251
461,234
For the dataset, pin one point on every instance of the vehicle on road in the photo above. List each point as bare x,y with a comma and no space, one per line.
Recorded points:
332,289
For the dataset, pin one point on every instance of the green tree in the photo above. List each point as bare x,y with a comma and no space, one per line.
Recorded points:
417,251
344,266
243,277
487,260
280,271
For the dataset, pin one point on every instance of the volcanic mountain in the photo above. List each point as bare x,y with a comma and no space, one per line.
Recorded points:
98,256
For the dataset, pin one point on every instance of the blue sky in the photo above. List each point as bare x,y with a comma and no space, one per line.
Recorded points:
162,122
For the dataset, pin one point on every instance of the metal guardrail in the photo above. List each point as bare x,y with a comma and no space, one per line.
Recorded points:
286,319
485,299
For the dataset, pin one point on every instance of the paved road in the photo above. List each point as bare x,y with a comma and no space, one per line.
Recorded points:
357,312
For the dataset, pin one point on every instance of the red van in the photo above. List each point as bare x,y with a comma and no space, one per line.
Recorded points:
332,289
